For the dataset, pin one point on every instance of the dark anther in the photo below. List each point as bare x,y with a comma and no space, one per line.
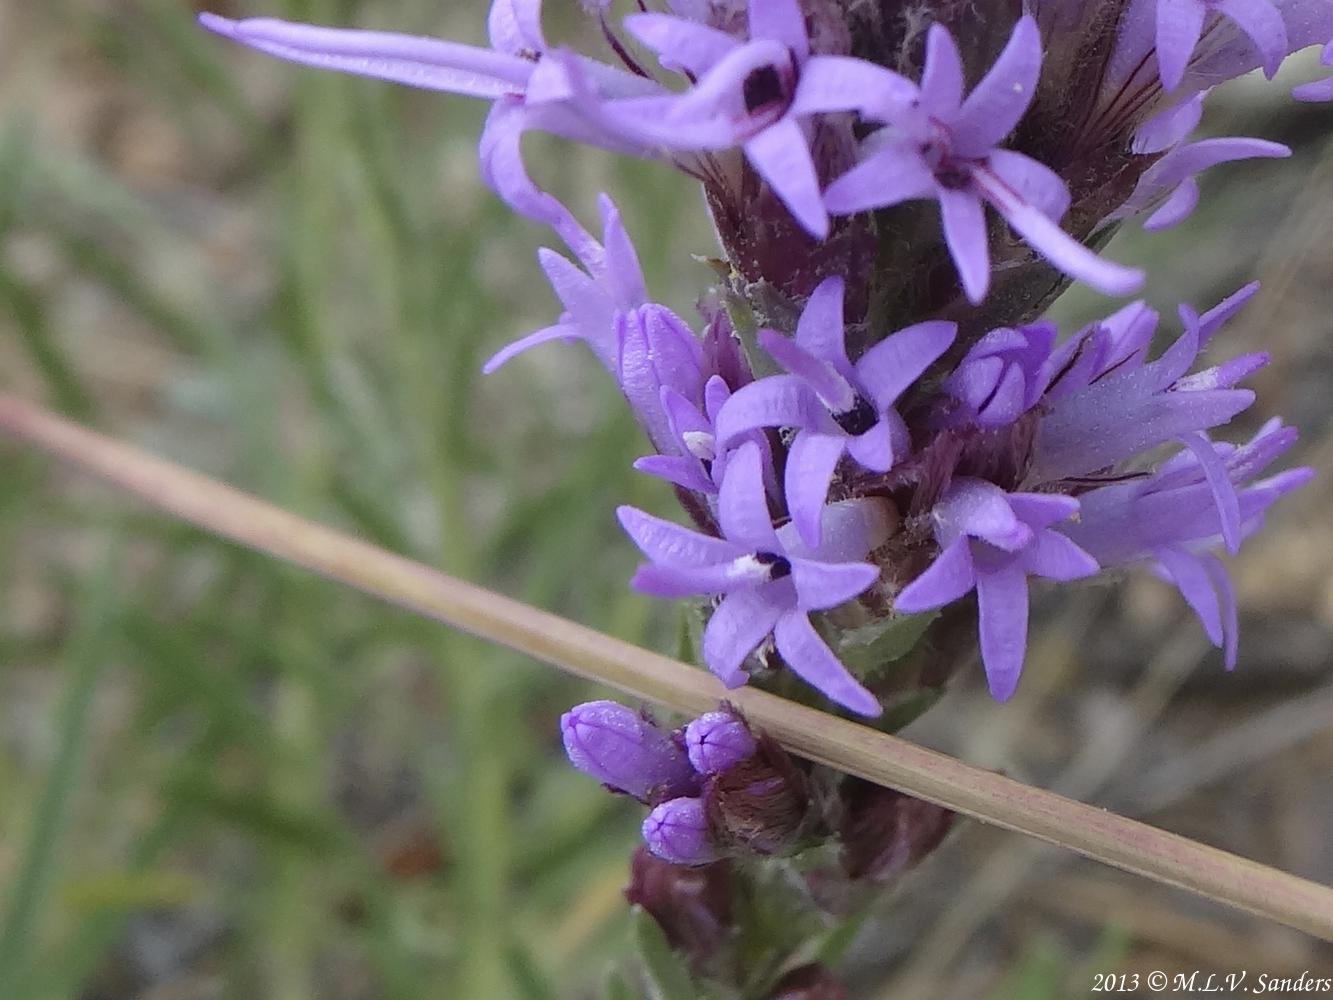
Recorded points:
953,177
778,566
859,419
762,87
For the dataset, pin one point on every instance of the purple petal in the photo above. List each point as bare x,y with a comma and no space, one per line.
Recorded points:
515,27
742,505
1261,21
842,83
833,390
674,582
1176,209
561,331
670,544
1002,610
942,78
681,44
821,585
678,469
820,329
947,579
812,661
879,448
1041,510
737,626
780,154
776,401
849,530
981,509
1179,25
1219,482
717,742
965,232
1055,557
624,275
782,21
888,368
810,465
1170,127
1196,586
1220,314
429,63
620,748
1002,97
1031,181
886,177
1320,90
1229,614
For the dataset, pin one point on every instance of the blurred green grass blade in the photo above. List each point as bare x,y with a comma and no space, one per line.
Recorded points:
45,352
663,970
30,893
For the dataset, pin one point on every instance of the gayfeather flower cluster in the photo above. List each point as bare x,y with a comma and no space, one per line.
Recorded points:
871,420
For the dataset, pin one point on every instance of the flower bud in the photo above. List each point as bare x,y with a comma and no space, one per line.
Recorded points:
884,832
717,741
677,831
692,905
760,803
625,751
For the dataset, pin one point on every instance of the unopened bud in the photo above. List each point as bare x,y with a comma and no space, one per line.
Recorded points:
884,832
677,831
624,750
718,741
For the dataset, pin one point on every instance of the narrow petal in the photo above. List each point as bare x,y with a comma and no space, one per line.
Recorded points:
1226,593
672,582
1195,585
1168,128
947,579
879,448
981,509
429,63
810,465
1320,90
738,624
670,544
561,331
886,177
776,401
680,470
1261,21
1031,181
820,329
1002,97
1177,207
1055,557
681,44
1179,25
897,361
842,83
1041,510
942,77
1219,482
515,27
1002,610
624,275
821,585
782,21
832,388
742,504
965,232
812,661
780,154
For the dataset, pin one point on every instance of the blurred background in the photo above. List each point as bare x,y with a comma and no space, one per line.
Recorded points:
221,777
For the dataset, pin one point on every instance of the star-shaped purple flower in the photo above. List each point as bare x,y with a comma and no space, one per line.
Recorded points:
1002,376
1174,519
992,541
943,147
1180,26
768,580
837,407
754,95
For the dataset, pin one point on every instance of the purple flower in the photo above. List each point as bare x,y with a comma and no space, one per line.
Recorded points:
677,831
1180,25
1191,504
1002,376
1321,90
1168,187
532,86
646,346
754,95
991,541
718,741
1108,404
944,147
622,749
837,407
769,581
